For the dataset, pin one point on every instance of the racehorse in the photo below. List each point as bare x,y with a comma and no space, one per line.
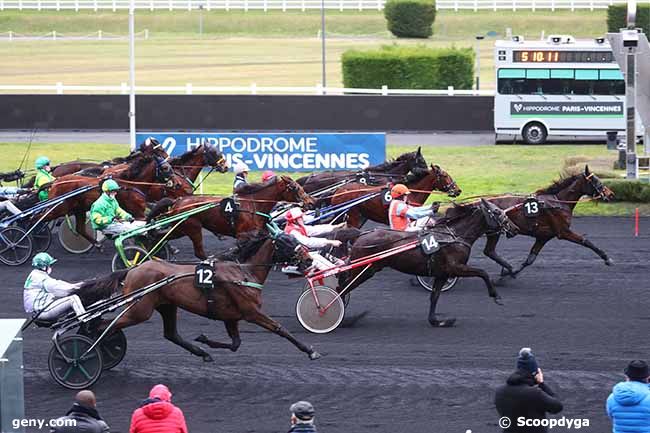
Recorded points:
236,292
253,202
555,204
420,182
375,175
454,234
190,164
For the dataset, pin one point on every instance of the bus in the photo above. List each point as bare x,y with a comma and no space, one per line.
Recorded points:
558,87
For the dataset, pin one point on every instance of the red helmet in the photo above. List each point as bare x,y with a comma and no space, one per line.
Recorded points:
399,190
294,214
268,174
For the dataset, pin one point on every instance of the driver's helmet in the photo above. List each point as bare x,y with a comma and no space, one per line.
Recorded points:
294,214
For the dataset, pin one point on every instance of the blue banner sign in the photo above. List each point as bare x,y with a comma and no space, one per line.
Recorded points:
284,151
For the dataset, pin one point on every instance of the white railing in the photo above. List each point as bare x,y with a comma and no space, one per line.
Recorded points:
298,4
54,35
253,89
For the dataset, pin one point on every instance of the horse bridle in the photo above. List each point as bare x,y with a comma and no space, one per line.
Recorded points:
596,184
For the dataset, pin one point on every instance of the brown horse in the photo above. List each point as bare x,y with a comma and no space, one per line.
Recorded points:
421,182
254,202
190,164
556,204
455,235
374,175
236,293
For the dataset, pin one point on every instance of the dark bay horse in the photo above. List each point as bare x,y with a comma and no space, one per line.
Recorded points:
455,234
422,182
190,164
377,174
236,294
251,199
556,204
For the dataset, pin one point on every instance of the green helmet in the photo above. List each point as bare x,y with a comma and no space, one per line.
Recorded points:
42,161
43,260
110,185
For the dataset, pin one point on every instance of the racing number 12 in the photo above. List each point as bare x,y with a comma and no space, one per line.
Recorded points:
205,276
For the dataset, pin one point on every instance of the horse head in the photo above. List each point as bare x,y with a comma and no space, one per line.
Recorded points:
293,192
496,219
413,160
444,182
594,187
214,159
289,250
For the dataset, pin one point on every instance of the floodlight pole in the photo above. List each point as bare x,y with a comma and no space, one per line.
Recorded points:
322,35
132,74
479,38
630,96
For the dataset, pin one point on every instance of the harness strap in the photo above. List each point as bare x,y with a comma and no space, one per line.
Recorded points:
249,284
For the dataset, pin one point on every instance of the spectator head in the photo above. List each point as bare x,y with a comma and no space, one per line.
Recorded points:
302,412
526,361
160,392
86,398
637,371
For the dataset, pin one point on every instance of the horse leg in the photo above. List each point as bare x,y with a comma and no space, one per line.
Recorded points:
232,326
490,251
194,231
571,236
168,313
438,283
462,270
266,322
80,228
534,251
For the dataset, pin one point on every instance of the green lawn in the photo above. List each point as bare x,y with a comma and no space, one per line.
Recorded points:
239,48
477,170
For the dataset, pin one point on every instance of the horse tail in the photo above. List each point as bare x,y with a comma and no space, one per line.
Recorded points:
99,288
160,207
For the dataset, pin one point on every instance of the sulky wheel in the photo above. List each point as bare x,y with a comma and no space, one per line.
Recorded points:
73,242
325,319
41,237
15,246
427,283
75,372
113,347
136,255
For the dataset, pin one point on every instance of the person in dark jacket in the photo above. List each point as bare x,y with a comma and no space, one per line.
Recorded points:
629,403
525,395
82,417
157,414
302,417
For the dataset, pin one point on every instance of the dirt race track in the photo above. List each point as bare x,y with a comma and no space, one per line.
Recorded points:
388,371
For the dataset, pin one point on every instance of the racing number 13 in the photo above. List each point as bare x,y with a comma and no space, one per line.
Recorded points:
532,207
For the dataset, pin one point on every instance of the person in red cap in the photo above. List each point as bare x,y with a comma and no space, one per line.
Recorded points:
267,175
404,217
157,414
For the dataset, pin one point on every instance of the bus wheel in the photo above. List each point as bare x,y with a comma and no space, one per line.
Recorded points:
534,133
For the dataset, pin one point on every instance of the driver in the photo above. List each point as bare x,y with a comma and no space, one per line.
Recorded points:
241,173
46,296
404,217
43,175
267,175
107,215
306,235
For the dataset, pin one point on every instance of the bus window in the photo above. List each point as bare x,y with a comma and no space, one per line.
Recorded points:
586,74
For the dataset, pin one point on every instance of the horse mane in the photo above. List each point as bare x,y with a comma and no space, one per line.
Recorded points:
562,183
457,211
246,246
135,169
99,288
182,159
252,188
91,171
391,164
416,174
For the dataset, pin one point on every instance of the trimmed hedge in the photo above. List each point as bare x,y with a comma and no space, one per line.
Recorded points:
617,17
415,67
410,18
631,191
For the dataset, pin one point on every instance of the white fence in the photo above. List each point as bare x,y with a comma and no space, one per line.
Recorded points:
284,5
253,89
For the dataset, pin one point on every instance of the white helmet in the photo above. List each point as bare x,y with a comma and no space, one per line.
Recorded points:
294,214
240,167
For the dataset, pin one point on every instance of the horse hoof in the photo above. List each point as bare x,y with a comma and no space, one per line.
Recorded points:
609,262
498,300
207,358
201,339
315,355
447,323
